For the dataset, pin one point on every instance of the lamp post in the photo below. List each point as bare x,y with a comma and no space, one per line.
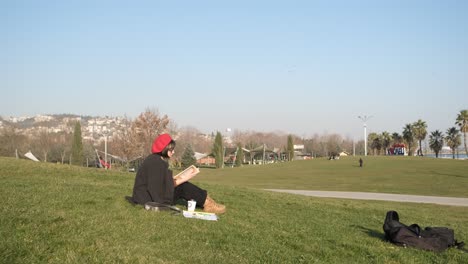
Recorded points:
364,120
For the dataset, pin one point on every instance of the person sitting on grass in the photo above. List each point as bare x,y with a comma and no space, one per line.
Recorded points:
154,181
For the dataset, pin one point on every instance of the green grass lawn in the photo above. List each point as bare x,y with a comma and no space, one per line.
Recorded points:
399,175
54,213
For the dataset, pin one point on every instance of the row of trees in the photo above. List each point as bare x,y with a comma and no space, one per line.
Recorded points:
218,151
135,140
47,146
68,147
414,133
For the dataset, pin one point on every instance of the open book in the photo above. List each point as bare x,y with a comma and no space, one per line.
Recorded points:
200,215
186,174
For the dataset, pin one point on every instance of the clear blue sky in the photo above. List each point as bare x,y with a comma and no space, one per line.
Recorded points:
302,67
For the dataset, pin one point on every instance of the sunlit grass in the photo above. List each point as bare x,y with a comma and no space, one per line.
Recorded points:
403,175
63,214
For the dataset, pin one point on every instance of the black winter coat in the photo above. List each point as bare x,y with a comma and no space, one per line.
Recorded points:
153,182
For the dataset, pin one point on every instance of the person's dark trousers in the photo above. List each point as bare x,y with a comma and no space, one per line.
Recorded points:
189,191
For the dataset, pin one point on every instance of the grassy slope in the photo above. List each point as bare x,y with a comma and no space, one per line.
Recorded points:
61,214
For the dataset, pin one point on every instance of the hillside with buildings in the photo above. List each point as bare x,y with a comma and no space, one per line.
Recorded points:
94,128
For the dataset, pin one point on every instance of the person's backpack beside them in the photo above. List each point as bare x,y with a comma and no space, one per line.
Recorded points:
435,239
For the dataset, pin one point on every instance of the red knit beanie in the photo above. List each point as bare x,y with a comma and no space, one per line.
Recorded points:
160,143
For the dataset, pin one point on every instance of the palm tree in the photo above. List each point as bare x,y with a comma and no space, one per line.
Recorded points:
436,141
375,142
453,139
408,136
397,138
462,122
386,140
420,132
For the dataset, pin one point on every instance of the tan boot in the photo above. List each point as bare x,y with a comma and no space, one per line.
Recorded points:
211,206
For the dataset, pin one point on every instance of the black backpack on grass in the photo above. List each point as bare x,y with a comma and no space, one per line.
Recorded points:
435,239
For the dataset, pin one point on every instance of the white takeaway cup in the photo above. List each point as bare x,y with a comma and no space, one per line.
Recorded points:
191,205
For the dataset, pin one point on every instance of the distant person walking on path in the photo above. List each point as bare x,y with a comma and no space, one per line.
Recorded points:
154,181
360,162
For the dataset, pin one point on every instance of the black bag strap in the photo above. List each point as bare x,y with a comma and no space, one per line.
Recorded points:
460,246
155,206
415,228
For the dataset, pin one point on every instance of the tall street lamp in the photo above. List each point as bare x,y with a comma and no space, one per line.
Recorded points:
364,120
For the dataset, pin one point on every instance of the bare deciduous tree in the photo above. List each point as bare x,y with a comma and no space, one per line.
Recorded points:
333,142
61,146
147,126
190,135
11,141
42,143
126,143
252,139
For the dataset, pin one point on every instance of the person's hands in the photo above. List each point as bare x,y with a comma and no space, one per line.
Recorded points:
192,174
186,176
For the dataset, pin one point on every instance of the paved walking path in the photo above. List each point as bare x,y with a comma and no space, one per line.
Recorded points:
381,196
